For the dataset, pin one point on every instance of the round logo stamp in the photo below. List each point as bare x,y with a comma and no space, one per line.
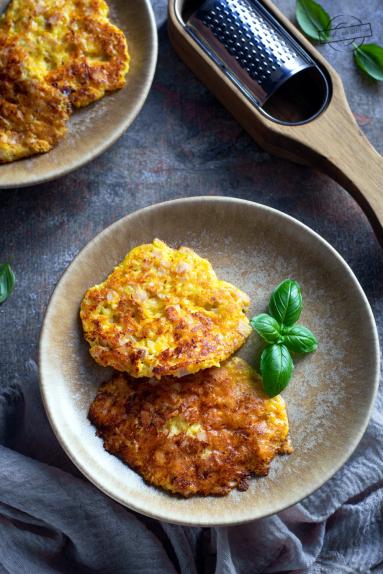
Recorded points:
346,33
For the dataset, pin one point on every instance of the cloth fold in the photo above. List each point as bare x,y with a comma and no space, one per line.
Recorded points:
52,520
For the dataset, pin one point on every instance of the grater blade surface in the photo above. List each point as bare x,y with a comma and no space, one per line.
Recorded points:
249,44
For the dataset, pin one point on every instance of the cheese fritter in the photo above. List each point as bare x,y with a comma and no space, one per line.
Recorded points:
163,311
53,55
204,434
71,45
33,115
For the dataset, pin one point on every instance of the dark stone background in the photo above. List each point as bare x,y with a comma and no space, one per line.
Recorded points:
182,144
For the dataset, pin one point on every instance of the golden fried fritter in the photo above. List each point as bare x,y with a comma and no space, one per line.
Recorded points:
163,312
102,67
32,114
204,434
53,54
71,45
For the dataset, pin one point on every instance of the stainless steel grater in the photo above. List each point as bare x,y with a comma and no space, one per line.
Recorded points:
249,45
280,89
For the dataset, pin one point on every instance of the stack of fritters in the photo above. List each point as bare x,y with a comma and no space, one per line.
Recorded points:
183,415
53,55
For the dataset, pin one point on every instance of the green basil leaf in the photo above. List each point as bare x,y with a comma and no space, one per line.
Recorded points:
313,19
369,58
300,339
286,302
276,369
267,327
7,281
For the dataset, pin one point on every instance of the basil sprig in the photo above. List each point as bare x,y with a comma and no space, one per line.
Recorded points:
313,19
286,302
7,281
315,22
300,339
267,327
276,368
282,335
369,58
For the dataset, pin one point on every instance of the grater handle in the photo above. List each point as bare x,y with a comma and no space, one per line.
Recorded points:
335,145
359,169
332,142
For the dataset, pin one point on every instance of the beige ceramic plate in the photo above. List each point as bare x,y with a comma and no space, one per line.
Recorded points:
255,247
94,128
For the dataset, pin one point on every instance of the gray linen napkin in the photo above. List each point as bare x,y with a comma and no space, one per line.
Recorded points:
53,520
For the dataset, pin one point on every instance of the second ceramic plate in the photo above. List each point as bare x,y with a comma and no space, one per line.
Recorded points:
329,399
94,128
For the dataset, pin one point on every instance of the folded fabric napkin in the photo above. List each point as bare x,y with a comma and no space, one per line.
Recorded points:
52,520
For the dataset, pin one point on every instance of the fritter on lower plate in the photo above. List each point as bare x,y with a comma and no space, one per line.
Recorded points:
163,311
204,434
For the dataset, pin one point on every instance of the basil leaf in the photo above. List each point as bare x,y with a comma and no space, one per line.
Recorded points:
7,281
300,339
267,327
286,302
276,369
369,58
313,19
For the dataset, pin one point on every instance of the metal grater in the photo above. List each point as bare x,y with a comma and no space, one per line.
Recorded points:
246,51
249,44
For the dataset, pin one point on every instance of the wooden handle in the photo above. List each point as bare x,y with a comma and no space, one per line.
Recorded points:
349,158
334,144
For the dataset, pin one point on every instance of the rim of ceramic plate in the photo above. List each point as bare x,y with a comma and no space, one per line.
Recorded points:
166,516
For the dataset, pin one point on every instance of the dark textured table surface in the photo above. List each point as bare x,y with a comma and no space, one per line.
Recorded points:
182,144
